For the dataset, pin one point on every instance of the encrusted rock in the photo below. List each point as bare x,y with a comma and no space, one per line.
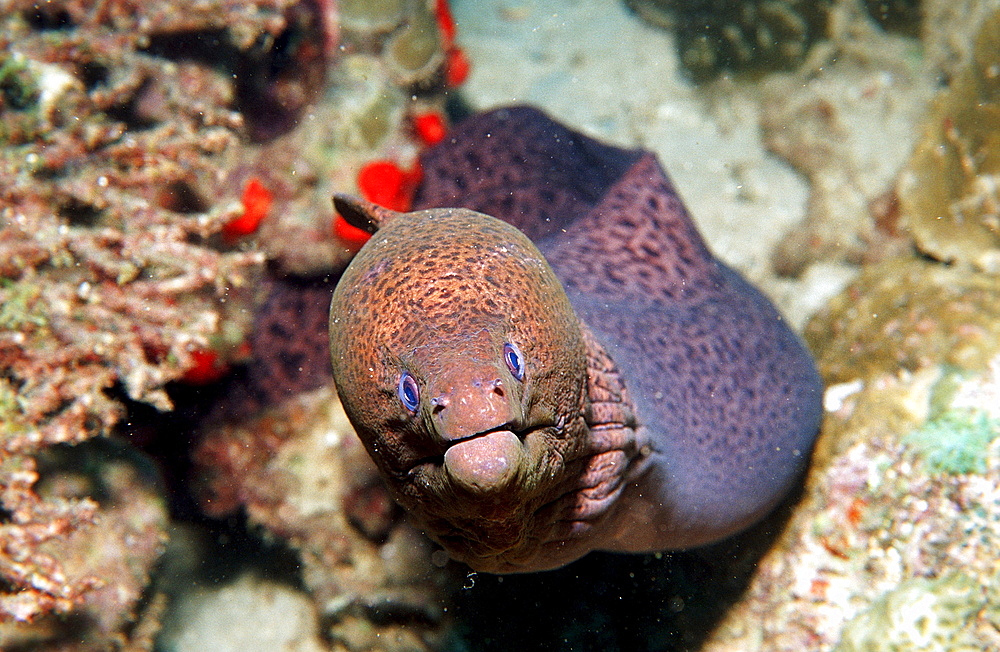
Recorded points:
300,472
950,189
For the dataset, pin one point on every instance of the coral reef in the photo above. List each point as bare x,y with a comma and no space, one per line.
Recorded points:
736,35
299,472
950,189
865,208
108,281
97,573
846,121
396,64
888,549
954,612
153,156
893,546
922,314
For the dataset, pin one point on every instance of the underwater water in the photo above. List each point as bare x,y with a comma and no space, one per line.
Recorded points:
177,471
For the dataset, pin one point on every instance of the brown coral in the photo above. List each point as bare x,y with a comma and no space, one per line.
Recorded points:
85,529
111,276
924,314
130,134
950,189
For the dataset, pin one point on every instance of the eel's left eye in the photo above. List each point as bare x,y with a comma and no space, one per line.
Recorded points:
515,361
408,392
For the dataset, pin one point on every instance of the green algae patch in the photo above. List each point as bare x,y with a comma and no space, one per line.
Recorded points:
948,613
907,314
956,442
19,306
18,86
949,191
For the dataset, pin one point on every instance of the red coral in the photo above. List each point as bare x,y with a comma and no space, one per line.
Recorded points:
457,64
207,368
457,67
257,200
429,127
388,185
446,22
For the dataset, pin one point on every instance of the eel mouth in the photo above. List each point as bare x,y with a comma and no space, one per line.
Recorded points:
445,444
503,427
483,462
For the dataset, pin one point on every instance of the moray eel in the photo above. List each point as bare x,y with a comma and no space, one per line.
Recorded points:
611,386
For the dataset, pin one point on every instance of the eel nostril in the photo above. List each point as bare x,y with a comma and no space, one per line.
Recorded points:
438,404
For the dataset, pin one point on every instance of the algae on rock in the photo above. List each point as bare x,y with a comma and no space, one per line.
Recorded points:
738,35
910,314
950,189
923,614
956,442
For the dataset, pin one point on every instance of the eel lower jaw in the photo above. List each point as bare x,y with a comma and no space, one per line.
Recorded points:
486,462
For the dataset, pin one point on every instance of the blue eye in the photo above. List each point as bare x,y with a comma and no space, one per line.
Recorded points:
515,361
408,392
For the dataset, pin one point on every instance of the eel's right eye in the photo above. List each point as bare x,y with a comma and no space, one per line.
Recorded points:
515,361
408,392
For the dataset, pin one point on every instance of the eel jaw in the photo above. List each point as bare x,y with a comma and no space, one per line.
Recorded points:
490,474
485,465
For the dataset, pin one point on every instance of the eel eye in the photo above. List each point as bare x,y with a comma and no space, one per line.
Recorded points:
408,392
515,361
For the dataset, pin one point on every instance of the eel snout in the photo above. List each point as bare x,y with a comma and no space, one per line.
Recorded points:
473,404
475,415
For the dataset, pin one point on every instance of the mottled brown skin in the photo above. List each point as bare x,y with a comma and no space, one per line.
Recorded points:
664,402
505,474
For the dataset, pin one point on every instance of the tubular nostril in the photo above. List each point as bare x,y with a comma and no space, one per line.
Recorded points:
498,387
439,403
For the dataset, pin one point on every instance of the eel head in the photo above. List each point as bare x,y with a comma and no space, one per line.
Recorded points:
461,364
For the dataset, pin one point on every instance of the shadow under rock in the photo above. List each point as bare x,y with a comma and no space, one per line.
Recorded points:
614,602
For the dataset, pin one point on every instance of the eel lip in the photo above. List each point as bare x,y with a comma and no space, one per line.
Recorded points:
447,444
488,462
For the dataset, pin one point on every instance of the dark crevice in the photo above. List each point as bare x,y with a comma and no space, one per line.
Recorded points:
128,114
79,213
168,439
210,47
93,75
274,85
181,197
274,80
49,20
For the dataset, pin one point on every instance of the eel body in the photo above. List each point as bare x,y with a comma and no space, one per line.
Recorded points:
609,386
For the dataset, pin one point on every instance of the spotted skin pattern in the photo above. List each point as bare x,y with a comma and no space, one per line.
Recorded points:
664,402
